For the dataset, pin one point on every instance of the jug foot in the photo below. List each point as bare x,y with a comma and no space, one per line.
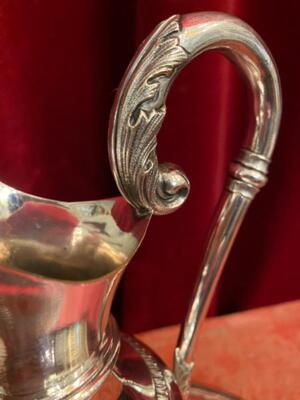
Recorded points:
198,392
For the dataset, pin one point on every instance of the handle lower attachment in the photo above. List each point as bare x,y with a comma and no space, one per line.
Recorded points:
154,188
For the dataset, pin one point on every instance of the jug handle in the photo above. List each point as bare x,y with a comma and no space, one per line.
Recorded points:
154,188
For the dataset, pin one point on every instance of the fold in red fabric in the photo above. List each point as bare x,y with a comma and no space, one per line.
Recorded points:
60,64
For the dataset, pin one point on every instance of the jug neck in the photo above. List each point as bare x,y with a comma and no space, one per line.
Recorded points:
55,337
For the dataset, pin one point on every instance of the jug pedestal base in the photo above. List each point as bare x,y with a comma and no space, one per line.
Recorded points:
198,392
141,375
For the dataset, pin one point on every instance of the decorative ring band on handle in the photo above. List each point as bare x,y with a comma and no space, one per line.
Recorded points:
154,188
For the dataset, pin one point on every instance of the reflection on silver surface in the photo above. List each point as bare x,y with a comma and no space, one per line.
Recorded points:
60,264
67,241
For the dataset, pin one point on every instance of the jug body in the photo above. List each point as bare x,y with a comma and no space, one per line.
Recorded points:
60,264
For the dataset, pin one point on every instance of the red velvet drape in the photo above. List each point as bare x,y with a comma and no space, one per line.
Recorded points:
60,63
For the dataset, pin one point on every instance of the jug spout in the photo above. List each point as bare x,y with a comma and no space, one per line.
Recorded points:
60,264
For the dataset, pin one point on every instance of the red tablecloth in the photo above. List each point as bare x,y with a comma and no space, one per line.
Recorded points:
254,354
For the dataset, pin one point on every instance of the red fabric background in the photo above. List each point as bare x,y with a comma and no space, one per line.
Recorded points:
60,63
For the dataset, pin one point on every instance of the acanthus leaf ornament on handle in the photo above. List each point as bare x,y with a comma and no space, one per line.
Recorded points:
138,113
153,188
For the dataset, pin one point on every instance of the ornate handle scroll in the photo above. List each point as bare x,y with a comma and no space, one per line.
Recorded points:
138,114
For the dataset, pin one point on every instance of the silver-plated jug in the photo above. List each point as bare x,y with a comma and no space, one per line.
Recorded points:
60,263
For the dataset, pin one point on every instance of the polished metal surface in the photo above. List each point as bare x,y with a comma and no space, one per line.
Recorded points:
60,262
156,188
137,115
